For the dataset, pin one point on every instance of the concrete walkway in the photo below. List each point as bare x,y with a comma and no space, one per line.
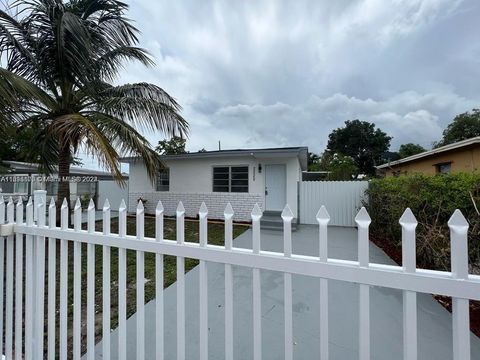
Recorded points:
434,322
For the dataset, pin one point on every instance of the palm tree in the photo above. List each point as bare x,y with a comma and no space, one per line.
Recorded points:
62,61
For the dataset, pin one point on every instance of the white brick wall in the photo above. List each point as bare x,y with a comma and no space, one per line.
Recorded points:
242,203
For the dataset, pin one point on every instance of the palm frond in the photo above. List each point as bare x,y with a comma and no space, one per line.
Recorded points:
20,97
79,130
112,60
127,140
15,45
147,106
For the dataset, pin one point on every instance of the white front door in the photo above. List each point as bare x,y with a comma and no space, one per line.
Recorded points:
275,187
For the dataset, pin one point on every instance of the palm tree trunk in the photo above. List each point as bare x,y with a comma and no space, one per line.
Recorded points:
64,177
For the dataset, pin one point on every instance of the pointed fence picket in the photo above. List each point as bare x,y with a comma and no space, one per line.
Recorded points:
19,285
77,282
228,216
106,291
29,284
363,221
2,271
287,217
29,335
159,311
323,218
122,284
9,286
52,244
91,284
140,283
409,224
257,300
180,284
203,285
63,351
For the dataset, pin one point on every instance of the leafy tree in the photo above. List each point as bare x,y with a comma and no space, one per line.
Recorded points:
360,140
463,126
62,60
176,145
410,149
390,156
20,146
341,167
313,162
7,149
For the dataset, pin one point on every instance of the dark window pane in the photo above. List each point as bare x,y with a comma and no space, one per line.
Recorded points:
444,168
220,188
220,182
240,182
218,170
163,180
239,169
220,176
7,187
239,188
243,176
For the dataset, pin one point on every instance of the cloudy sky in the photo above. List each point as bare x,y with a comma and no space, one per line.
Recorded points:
284,73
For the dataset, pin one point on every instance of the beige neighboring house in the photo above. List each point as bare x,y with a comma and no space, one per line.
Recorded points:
462,156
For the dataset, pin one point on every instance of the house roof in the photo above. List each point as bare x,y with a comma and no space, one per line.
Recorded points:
19,167
442,149
299,151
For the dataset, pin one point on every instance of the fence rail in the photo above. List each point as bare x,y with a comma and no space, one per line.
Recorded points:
25,330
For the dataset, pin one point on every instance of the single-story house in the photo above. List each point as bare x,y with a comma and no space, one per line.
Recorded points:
22,179
462,156
268,177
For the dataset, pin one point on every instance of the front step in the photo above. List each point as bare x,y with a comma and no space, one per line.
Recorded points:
272,220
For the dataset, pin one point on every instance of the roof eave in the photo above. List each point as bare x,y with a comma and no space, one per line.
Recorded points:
425,154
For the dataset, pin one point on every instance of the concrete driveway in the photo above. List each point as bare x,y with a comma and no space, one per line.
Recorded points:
434,322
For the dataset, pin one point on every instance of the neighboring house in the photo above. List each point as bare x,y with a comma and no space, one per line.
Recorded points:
24,178
462,156
244,177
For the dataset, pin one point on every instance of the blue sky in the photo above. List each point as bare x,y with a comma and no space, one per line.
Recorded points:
283,73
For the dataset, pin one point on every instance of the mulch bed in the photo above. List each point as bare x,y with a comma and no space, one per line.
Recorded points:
395,254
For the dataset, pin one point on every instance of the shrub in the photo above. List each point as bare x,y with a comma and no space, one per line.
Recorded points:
433,200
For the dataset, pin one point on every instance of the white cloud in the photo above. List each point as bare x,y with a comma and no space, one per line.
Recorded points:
407,116
271,73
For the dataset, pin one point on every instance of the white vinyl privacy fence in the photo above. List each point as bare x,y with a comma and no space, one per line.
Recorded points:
343,199
33,334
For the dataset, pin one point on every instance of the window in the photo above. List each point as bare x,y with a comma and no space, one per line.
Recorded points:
163,180
230,179
444,168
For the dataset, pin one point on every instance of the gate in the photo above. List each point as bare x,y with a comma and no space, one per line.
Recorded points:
343,199
32,307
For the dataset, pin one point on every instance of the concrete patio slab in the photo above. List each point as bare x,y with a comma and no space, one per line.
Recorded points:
434,322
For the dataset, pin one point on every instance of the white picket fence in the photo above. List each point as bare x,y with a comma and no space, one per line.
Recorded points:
24,331
343,199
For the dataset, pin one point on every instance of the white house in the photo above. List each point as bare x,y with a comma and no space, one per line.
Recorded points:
242,177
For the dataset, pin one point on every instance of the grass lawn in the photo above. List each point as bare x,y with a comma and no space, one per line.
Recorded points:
215,237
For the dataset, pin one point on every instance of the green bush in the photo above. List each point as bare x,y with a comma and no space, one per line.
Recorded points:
433,200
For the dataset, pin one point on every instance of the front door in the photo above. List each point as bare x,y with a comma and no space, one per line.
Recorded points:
275,187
